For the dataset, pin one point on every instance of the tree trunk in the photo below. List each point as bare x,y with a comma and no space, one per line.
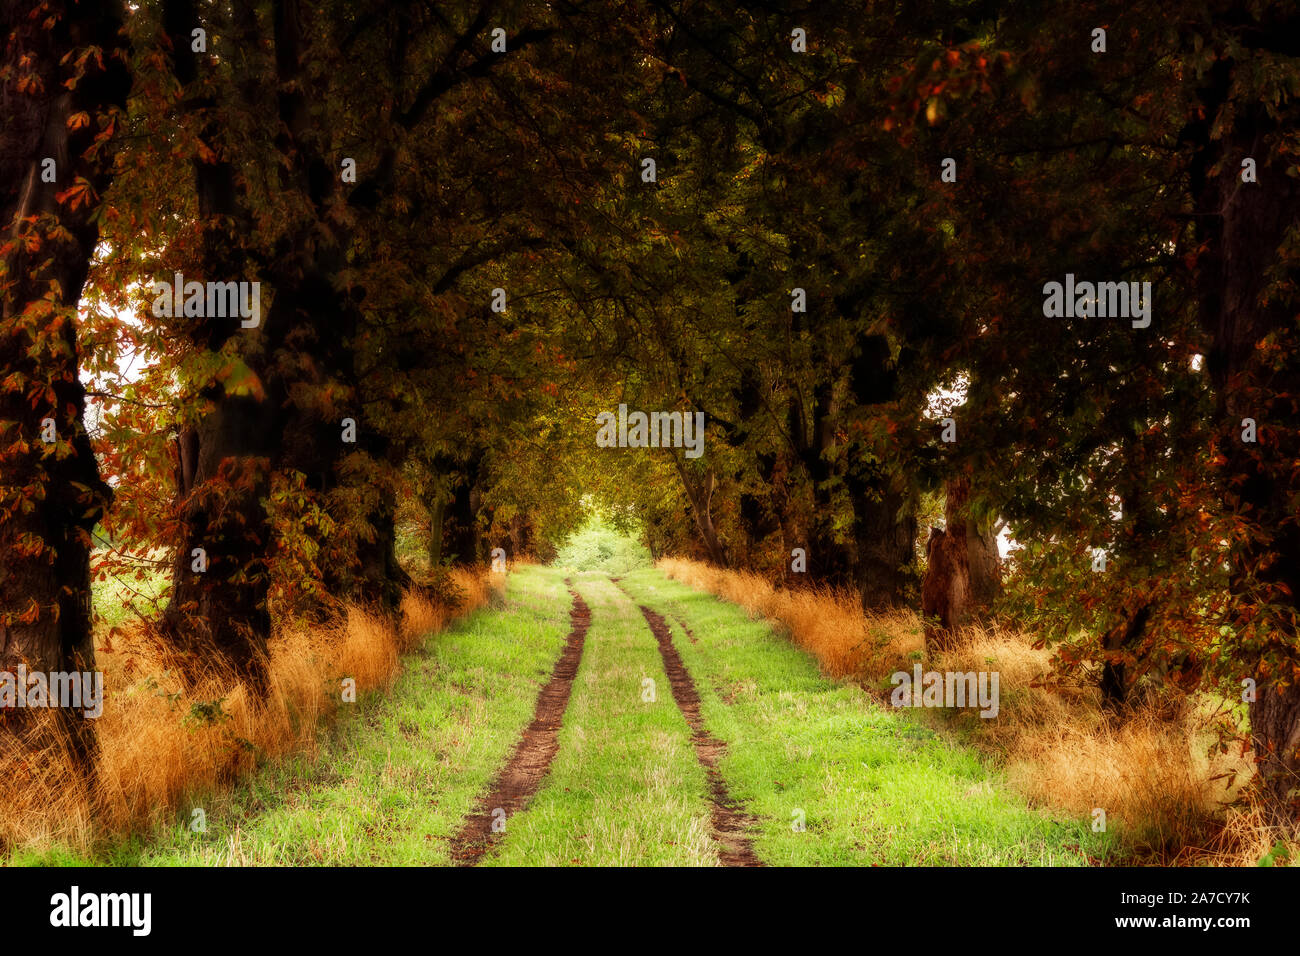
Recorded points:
378,578
437,511
218,605
884,529
983,565
520,535
1275,734
219,614
701,499
1244,227
944,589
884,518
51,494
463,533
1115,685
963,573
832,560
298,352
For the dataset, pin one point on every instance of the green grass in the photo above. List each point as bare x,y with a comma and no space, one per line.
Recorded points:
625,787
394,779
874,786
113,598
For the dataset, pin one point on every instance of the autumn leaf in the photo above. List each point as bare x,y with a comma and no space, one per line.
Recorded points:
80,192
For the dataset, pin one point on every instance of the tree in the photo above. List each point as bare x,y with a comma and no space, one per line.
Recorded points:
1248,272
1132,168
63,83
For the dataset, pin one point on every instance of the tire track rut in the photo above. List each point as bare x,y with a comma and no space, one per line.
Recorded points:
515,786
730,824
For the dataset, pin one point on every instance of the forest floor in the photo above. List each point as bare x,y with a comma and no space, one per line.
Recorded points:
590,720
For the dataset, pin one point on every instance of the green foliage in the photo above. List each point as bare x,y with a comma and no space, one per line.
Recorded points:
599,546
1279,855
206,712
410,545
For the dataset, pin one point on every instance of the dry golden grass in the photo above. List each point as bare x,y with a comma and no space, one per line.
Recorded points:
157,748
828,623
1165,798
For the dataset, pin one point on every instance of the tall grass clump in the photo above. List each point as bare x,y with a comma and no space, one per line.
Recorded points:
162,745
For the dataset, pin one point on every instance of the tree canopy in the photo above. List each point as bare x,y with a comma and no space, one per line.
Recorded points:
466,230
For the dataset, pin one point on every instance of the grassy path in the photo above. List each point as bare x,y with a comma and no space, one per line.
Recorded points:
868,785
625,787
528,766
395,779
730,824
675,731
